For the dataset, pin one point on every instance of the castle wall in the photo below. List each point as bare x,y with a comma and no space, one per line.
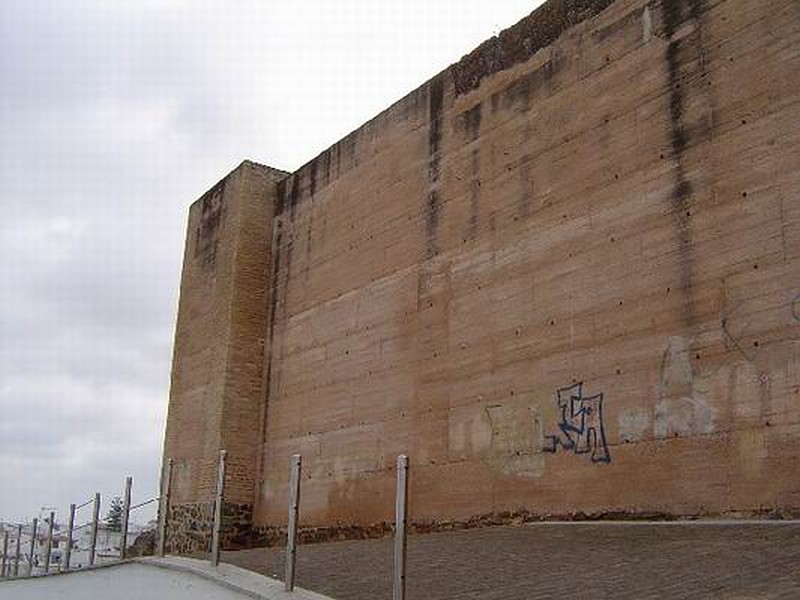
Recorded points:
563,276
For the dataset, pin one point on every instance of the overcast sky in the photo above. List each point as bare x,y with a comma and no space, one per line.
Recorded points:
114,116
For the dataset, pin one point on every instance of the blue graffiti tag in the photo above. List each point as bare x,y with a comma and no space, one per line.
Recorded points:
581,425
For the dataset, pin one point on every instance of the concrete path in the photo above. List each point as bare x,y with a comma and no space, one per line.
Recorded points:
152,579
635,561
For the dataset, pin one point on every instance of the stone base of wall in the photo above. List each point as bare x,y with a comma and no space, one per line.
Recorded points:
189,527
276,536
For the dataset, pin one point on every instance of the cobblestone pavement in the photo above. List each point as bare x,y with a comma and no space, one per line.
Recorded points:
550,560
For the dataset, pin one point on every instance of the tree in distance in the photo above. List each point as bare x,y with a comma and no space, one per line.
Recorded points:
114,516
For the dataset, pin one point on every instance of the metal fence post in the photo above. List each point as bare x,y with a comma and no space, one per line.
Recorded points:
17,553
217,526
166,482
95,524
6,563
31,554
291,528
126,513
70,527
48,551
401,508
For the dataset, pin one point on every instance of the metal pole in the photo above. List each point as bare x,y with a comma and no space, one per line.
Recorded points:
126,513
166,482
218,509
17,553
400,509
33,547
95,523
4,570
70,528
49,549
291,528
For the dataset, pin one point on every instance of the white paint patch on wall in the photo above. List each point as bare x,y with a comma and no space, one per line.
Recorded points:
676,366
683,407
683,416
517,437
516,441
632,425
469,432
647,25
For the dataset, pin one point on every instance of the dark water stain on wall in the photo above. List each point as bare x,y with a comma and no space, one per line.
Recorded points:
474,194
294,193
326,166
276,264
472,122
350,147
287,277
309,229
321,171
337,159
435,126
281,280
212,211
526,187
680,54
272,287
288,193
432,208
519,93
312,172
433,200
525,198
280,195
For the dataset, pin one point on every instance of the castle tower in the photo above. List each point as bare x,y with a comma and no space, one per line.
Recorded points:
219,355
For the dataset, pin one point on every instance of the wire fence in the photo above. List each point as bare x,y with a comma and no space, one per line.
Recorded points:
11,560
35,548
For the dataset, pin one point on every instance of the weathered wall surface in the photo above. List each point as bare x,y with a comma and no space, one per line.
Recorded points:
216,391
563,275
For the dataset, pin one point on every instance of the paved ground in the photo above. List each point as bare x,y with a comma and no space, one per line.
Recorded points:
173,578
633,561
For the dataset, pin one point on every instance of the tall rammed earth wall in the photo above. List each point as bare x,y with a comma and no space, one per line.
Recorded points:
563,276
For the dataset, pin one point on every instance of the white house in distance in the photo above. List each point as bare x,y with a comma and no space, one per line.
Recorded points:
108,544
